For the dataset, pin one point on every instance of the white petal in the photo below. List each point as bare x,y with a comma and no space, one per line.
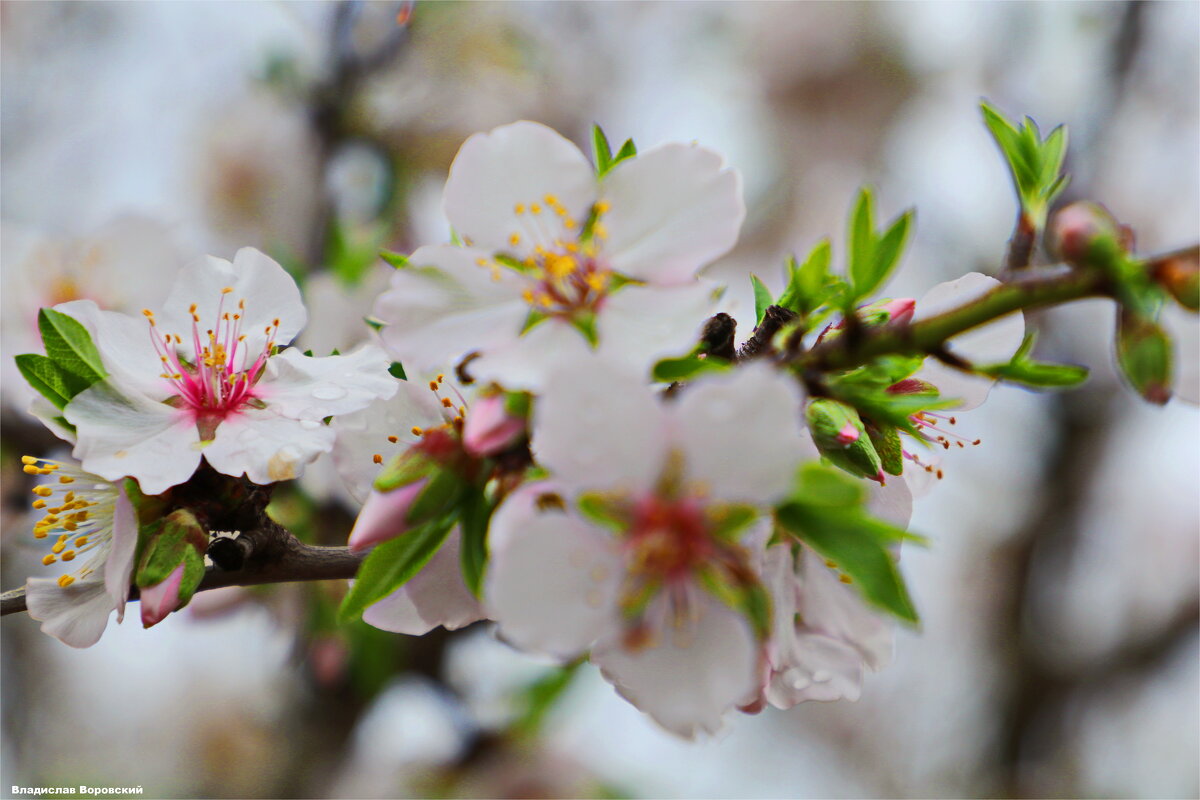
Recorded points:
434,596
837,610
269,292
599,427
126,435
816,668
552,578
362,434
641,324
741,433
993,343
892,502
126,348
445,306
674,209
265,446
75,615
516,164
118,565
687,677
305,387
48,415
525,364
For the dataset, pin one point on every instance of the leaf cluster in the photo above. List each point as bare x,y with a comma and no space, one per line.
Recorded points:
71,364
1034,162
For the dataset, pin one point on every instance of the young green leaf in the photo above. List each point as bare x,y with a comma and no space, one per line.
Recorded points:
601,153
69,345
873,256
1035,163
762,298
397,260
670,370
392,564
628,150
473,555
51,381
1024,370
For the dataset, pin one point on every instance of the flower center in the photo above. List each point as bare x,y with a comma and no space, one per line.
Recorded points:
566,277
77,512
440,442
668,537
218,375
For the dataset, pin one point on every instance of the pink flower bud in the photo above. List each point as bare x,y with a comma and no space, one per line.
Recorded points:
848,434
384,515
161,599
1083,232
489,428
900,310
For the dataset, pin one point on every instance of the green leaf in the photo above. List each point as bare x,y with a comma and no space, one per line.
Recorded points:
1024,370
808,283
397,260
670,370
396,370
391,564
762,298
50,380
628,150
820,485
70,346
860,240
473,554
540,696
1034,162
601,152
857,543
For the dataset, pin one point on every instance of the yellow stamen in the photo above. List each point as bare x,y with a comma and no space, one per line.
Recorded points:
65,580
28,460
535,209
446,402
65,479
514,239
519,209
81,541
29,469
393,439
602,207
69,555
377,458
42,491
416,431
39,503
227,290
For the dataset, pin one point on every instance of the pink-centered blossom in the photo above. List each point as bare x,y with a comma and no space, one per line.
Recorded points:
207,378
636,579
558,262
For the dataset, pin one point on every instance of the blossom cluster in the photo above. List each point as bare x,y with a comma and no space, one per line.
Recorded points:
551,429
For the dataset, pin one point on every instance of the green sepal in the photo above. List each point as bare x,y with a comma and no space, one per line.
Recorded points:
728,520
441,494
540,696
669,370
396,370
397,260
518,404
828,419
1144,356
607,511
406,468
391,564
601,152
886,441
476,512
166,543
585,323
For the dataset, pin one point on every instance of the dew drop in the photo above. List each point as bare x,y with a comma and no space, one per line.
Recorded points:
309,424
822,675
328,391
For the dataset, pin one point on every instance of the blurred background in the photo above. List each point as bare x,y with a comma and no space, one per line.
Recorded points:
1058,653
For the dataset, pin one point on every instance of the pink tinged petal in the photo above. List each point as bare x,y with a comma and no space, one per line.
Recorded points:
525,364
552,578
673,209
126,348
838,611
362,434
642,324
599,427
303,387
517,164
848,434
383,516
989,344
489,428
446,305
161,599
127,435
741,433
118,566
266,447
688,676
76,615
270,294
900,310
892,502
816,667
434,596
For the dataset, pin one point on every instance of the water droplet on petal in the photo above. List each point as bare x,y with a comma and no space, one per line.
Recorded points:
822,675
309,424
328,391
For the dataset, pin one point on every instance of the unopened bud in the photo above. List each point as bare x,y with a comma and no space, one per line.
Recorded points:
162,598
172,564
490,428
1085,234
840,435
1179,274
386,515
1144,355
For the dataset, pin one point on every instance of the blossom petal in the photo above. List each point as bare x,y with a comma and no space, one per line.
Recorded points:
118,566
689,676
270,294
599,427
816,667
76,615
837,610
526,363
517,164
434,596
126,348
161,599
445,306
304,387
741,433
638,325
127,435
993,343
552,578
265,446
892,502
673,209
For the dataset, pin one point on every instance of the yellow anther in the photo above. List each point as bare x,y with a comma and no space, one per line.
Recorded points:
148,313
535,209
68,497
462,410
514,239
39,533
241,305
58,547
377,458
602,207
28,460
545,300
82,516
845,579
192,308
446,402
65,580
81,541
39,503
527,295
441,377
572,247
483,262
225,316
569,223
69,555
433,386
597,281
69,525
393,439
42,491
29,469
415,431
65,479
178,340
519,208
831,564
227,290
599,231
